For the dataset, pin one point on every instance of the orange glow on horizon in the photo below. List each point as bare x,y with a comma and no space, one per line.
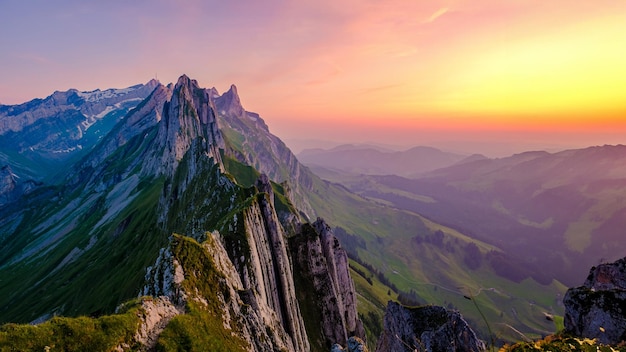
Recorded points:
442,65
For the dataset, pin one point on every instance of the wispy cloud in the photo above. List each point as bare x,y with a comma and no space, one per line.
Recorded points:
442,11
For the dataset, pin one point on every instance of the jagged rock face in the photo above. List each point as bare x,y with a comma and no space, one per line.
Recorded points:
165,278
339,270
427,328
598,308
242,312
171,122
323,264
265,266
229,103
188,117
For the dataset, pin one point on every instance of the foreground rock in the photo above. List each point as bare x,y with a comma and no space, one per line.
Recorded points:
321,265
426,328
598,308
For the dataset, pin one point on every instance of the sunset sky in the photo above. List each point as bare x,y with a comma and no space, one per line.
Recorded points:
463,75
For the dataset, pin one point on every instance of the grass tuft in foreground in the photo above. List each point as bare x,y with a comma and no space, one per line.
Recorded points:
74,334
562,342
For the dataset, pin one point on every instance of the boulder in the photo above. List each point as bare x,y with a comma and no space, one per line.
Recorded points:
597,309
426,328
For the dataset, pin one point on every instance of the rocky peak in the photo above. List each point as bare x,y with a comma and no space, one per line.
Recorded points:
597,309
426,328
189,117
229,103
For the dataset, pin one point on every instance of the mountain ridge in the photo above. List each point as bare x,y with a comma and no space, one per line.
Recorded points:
51,133
155,174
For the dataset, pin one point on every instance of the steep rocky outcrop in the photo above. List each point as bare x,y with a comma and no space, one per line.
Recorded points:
322,266
426,328
241,310
597,309
267,277
261,258
188,117
156,136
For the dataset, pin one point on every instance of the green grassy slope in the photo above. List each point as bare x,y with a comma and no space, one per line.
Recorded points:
74,334
90,270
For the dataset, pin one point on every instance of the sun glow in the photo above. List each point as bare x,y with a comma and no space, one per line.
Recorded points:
575,73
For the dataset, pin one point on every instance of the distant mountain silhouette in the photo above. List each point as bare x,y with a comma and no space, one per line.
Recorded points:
374,160
559,213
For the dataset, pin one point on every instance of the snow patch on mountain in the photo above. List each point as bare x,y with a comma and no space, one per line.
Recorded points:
97,95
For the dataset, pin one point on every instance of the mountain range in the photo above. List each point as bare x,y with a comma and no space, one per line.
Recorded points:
43,136
554,214
187,201
373,160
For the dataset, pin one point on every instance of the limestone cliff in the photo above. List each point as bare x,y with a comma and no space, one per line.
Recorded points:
188,117
426,328
597,308
300,297
324,279
177,276
260,255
